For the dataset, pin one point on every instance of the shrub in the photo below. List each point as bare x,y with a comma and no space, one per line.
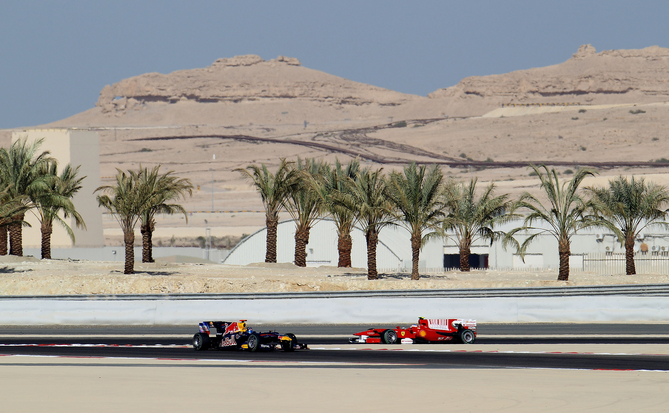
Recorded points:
583,148
636,112
400,124
201,241
582,111
655,139
574,118
568,172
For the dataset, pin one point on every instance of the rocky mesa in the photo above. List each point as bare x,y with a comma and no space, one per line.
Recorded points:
610,76
243,79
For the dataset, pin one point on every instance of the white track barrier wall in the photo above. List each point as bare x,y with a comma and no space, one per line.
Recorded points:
31,311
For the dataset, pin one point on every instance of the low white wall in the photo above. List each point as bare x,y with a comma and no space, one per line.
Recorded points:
22,311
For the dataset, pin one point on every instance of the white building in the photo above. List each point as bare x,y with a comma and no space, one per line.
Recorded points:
77,147
393,251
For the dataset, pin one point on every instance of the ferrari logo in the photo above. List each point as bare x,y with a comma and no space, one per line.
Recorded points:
402,333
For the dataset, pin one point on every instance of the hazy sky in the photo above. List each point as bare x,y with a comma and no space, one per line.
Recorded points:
56,56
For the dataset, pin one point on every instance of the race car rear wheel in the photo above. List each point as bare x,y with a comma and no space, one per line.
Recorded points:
467,336
289,345
389,337
253,342
200,341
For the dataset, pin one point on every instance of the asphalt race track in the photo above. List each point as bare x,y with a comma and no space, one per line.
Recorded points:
329,344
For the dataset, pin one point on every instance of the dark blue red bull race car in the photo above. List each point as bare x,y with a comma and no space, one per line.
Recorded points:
238,335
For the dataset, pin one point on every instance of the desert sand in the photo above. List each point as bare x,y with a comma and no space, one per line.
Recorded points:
31,276
113,385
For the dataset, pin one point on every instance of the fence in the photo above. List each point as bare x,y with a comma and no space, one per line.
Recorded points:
655,262
422,270
652,262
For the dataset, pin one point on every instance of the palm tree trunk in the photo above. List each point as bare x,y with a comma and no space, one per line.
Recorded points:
16,236
629,255
465,252
345,245
129,240
272,224
415,255
47,230
564,250
372,237
147,243
3,240
301,241
152,228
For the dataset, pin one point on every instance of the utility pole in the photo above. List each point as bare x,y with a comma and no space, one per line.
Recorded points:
212,187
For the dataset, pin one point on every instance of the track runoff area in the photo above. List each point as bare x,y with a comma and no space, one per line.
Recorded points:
641,347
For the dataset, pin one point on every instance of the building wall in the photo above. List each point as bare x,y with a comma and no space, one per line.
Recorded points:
76,147
393,251
116,254
544,249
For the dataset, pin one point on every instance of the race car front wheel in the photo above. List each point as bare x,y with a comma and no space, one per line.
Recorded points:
467,337
253,342
200,341
389,337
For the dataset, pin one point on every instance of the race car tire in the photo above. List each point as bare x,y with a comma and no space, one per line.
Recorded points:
253,342
389,337
200,341
289,345
467,336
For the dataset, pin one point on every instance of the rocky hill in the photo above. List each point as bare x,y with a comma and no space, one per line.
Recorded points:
611,76
241,80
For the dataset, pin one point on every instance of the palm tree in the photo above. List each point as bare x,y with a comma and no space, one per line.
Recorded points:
373,211
415,195
10,208
471,218
58,199
329,184
304,205
125,200
162,188
22,171
628,207
565,213
273,189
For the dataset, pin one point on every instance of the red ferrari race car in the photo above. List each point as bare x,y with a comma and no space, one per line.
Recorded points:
432,330
238,335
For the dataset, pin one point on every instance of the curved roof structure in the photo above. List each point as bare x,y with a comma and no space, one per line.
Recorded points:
393,251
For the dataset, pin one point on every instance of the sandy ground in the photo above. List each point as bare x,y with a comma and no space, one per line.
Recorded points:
29,384
31,276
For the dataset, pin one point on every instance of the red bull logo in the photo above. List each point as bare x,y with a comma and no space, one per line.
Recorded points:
236,327
231,328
